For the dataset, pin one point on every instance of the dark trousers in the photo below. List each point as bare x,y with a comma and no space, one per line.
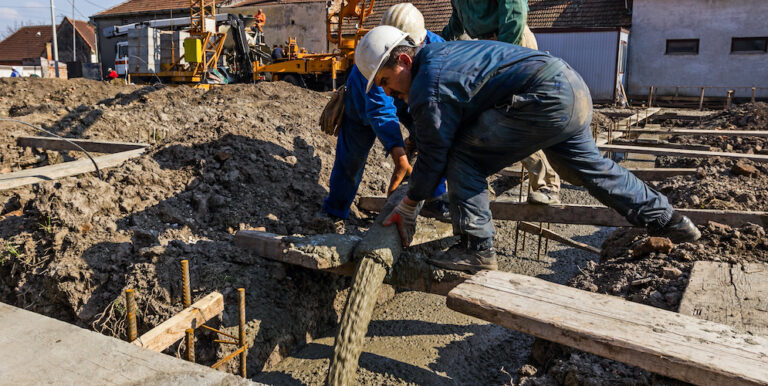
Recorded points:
554,115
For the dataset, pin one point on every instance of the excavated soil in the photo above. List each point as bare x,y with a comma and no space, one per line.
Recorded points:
235,157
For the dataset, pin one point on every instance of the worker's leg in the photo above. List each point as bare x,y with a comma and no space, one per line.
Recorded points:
542,173
352,147
468,198
578,159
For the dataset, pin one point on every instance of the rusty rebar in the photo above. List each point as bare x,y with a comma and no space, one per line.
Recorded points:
546,243
538,250
191,344
229,357
130,315
243,346
219,332
519,199
185,283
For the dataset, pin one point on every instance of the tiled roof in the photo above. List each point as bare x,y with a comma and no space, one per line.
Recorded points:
436,12
578,14
26,43
87,31
542,13
248,3
136,6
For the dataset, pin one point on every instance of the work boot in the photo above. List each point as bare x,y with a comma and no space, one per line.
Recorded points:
544,196
471,255
436,208
326,222
679,229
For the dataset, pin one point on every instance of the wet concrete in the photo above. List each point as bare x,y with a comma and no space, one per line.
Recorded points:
414,338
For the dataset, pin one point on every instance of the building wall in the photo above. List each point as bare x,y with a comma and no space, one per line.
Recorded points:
64,41
107,45
304,21
714,22
592,54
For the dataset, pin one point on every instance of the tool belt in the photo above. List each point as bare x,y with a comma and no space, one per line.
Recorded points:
333,113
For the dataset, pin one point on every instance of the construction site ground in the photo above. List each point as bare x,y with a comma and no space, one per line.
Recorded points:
249,156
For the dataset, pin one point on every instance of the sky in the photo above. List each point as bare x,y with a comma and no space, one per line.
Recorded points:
38,12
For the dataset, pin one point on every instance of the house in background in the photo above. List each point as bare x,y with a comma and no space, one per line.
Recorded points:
691,44
28,45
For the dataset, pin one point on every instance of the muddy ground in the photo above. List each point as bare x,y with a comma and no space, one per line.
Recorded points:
246,156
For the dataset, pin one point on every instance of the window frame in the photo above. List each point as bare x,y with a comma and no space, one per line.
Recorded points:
697,41
763,51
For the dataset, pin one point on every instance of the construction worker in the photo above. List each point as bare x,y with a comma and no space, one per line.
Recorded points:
260,18
371,114
111,75
505,21
277,52
479,106
15,73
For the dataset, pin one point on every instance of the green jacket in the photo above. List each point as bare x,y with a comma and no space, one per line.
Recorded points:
484,18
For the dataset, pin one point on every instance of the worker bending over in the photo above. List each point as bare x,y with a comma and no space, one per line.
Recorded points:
506,21
371,114
479,106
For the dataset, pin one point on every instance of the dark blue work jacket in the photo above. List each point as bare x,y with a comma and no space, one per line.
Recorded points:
453,83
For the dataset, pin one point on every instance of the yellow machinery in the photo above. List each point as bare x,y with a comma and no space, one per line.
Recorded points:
298,64
201,50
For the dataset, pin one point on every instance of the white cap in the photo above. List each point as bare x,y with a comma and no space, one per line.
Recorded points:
374,48
406,17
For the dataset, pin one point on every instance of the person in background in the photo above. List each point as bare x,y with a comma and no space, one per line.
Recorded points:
277,52
111,75
371,114
15,73
506,21
260,19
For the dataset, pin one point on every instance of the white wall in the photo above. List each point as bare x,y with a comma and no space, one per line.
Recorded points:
304,21
591,54
714,22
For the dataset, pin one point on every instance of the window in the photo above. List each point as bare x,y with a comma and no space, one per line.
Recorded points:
749,45
682,47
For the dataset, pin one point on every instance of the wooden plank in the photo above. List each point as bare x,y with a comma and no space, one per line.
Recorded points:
660,341
681,152
645,174
95,146
66,169
664,145
173,329
546,233
592,214
729,133
732,294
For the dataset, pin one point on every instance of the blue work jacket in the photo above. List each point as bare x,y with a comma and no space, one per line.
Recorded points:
453,83
376,109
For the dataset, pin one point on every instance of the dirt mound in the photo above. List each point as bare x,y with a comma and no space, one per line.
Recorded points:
235,157
718,184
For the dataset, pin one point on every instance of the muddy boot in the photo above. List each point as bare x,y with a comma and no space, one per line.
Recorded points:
544,196
470,254
436,208
679,229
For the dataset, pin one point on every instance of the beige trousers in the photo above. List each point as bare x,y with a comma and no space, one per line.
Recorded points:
542,173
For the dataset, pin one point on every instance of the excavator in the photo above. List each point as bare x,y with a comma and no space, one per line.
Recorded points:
323,71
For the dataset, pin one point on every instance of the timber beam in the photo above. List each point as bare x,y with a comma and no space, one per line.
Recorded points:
91,145
729,133
593,214
645,174
681,152
664,342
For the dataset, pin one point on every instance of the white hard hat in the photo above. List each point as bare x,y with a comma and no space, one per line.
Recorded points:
374,48
406,17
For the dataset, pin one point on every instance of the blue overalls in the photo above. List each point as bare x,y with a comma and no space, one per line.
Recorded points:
479,106
366,117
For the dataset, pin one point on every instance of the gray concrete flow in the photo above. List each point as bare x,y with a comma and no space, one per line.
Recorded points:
36,349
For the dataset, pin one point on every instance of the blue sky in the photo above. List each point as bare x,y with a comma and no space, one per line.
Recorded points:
37,12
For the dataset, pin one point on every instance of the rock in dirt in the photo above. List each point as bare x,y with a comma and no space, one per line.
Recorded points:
742,168
653,244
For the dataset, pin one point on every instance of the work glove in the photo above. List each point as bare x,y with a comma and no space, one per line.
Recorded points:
333,113
404,216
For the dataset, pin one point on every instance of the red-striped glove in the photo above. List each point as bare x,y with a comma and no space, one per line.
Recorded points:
404,216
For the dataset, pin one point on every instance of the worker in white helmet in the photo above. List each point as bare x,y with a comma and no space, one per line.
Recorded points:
478,107
371,114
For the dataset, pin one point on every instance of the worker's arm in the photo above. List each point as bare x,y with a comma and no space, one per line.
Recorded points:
512,19
382,116
436,124
454,28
